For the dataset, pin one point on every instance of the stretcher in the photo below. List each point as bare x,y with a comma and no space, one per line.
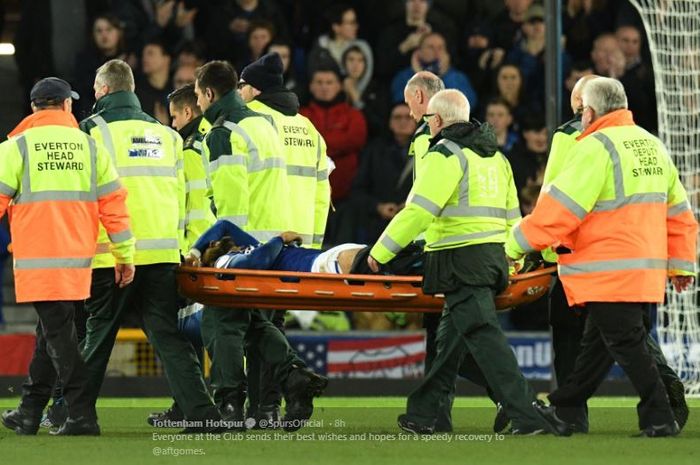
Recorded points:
238,288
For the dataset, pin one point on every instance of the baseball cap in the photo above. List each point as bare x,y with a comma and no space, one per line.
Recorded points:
52,88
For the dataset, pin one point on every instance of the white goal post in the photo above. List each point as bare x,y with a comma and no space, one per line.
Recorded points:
673,32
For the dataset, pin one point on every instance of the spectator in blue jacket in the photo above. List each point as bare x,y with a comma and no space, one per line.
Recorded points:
432,55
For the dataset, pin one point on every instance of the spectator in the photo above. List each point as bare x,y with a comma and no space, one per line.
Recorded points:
229,25
184,74
342,126
507,26
608,59
432,56
638,78
291,82
191,54
384,178
578,70
342,35
363,92
528,158
583,21
479,58
399,40
260,35
500,116
147,20
107,43
528,53
154,84
509,86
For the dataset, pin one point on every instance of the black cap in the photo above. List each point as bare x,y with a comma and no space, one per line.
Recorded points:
52,88
264,73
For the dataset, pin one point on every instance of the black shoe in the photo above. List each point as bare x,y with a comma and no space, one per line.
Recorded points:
527,431
170,418
549,415
411,426
653,431
21,422
501,422
55,415
300,387
676,397
443,428
232,415
81,426
267,417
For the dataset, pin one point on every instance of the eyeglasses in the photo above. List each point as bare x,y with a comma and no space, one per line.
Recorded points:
427,116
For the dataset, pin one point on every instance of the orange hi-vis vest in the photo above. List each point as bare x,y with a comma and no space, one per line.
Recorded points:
57,184
620,208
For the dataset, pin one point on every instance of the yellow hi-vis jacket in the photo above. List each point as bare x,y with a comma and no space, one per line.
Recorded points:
148,157
460,197
247,169
307,173
198,214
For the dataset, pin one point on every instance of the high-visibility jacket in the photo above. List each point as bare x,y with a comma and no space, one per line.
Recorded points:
307,173
463,195
247,168
562,142
59,184
198,214
621,209
420,143
149,159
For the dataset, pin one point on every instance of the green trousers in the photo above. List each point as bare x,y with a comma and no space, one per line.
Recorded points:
469,328
226,332
153,296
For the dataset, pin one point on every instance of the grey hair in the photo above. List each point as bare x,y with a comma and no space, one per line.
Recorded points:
451,105
427,81
117,75
604,95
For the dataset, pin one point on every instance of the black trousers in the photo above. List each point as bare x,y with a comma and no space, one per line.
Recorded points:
264,390
615,331
567,330
56,355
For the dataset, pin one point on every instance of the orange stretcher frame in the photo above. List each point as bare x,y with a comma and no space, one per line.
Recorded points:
281,290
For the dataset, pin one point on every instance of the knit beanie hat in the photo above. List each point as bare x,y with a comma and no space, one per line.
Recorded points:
264,73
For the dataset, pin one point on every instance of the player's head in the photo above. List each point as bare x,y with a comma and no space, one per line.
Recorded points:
218,248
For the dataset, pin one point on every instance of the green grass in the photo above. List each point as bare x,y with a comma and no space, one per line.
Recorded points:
127,439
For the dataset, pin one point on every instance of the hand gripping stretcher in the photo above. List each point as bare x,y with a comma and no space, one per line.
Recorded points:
239,288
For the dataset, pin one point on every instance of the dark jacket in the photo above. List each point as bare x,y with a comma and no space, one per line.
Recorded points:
118,106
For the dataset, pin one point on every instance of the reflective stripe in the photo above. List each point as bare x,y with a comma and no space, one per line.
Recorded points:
459,211
521,239
227,160
197,145
157,244
304,171
108,188
570,204
322,175
102,247
120,236
427,204
617,164
255,163
43,263
306,238
7,190
93,164
263,236
43,196
466,237
613,265
238,220
678,208
318,239
196,184
463,200
180,164
24,151
513,214
644,197
683,265
166,171
106,136
390,244
181,223
197,214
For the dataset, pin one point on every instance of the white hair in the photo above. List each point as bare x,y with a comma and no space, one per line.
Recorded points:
427,81
451,105
604,95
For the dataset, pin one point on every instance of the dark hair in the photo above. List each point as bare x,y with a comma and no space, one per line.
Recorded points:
262,24
532,122
580,65
115,22
353,48
217,75
334,15
499,101
216,249
193,47
184,96
327,68
43,104
158,43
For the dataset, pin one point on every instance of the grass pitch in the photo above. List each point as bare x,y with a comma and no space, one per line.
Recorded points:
356,430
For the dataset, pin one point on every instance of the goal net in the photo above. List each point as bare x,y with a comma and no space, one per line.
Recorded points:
673,32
